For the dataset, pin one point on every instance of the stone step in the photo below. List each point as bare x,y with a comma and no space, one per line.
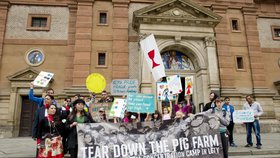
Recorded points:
256,156
255,152
266,125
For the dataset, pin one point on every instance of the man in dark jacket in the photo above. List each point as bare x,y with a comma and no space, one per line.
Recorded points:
213,96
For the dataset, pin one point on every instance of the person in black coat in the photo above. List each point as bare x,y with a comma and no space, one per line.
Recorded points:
213,96
78,115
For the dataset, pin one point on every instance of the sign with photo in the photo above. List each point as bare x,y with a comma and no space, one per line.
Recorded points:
243,116
174,84
124,86
163,92
118,108
143,103
188,85
43,79
197,138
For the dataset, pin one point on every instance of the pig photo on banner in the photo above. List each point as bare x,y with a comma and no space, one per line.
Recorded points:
196,138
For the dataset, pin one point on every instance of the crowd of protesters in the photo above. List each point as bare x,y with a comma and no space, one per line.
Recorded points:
60,121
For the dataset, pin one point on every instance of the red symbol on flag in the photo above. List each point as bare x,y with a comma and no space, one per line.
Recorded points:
152,56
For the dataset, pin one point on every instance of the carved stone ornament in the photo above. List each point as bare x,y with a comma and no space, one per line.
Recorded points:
209,41
28,74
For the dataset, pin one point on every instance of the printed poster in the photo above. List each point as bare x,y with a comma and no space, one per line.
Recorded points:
118,108
43,79
174,84
95,107
163,92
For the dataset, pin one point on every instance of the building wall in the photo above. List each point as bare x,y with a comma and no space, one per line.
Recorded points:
75,38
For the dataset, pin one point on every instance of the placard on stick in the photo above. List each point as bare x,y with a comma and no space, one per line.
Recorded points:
43,79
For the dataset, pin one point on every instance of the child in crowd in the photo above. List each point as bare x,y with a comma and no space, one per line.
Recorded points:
167,113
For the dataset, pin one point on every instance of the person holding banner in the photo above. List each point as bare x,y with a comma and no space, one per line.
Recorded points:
78,115
49,135
258,111
223,118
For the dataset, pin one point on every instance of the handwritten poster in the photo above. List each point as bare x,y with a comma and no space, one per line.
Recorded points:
124,86
174,84
43,79
240,116
118,108
163,92
143,103
188,85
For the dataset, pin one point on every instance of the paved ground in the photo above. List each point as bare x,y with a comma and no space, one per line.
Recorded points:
25,147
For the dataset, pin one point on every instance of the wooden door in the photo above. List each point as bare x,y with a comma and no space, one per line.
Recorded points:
28,110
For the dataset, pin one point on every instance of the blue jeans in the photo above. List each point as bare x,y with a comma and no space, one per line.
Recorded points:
256,127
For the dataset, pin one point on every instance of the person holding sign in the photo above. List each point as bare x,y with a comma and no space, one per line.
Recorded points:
78,115
258,111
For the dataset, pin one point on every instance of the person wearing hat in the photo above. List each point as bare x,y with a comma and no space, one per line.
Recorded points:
102,115
78,115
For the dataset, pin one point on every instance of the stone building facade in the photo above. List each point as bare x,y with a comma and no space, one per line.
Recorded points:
233,46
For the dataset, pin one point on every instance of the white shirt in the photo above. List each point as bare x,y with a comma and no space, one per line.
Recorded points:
256,107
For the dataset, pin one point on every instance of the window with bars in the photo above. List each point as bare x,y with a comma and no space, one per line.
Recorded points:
38,22
101,59
275,32
103,18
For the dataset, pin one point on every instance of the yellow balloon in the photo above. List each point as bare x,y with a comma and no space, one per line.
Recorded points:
95,83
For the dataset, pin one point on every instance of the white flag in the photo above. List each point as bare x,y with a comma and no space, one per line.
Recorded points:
152,56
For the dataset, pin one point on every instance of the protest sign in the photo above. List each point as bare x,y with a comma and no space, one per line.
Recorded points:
163,92
143,103
188,85
43,79
118,108
122,87
152,55
174,84
95,107
96,83
240,116
198,138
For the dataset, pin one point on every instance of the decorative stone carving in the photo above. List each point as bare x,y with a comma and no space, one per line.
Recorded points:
209,41
28,74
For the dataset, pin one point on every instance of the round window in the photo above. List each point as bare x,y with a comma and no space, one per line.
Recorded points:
35,57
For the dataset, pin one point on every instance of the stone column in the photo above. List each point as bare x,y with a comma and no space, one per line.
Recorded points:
120,39
4,6
255,54
71,45
214,82
226,65
82,48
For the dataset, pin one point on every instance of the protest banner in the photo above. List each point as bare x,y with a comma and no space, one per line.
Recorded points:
118,108
95,107
163,92
124,86
43,79
197,138
143,103
188,85
152,55
174,84
243,116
